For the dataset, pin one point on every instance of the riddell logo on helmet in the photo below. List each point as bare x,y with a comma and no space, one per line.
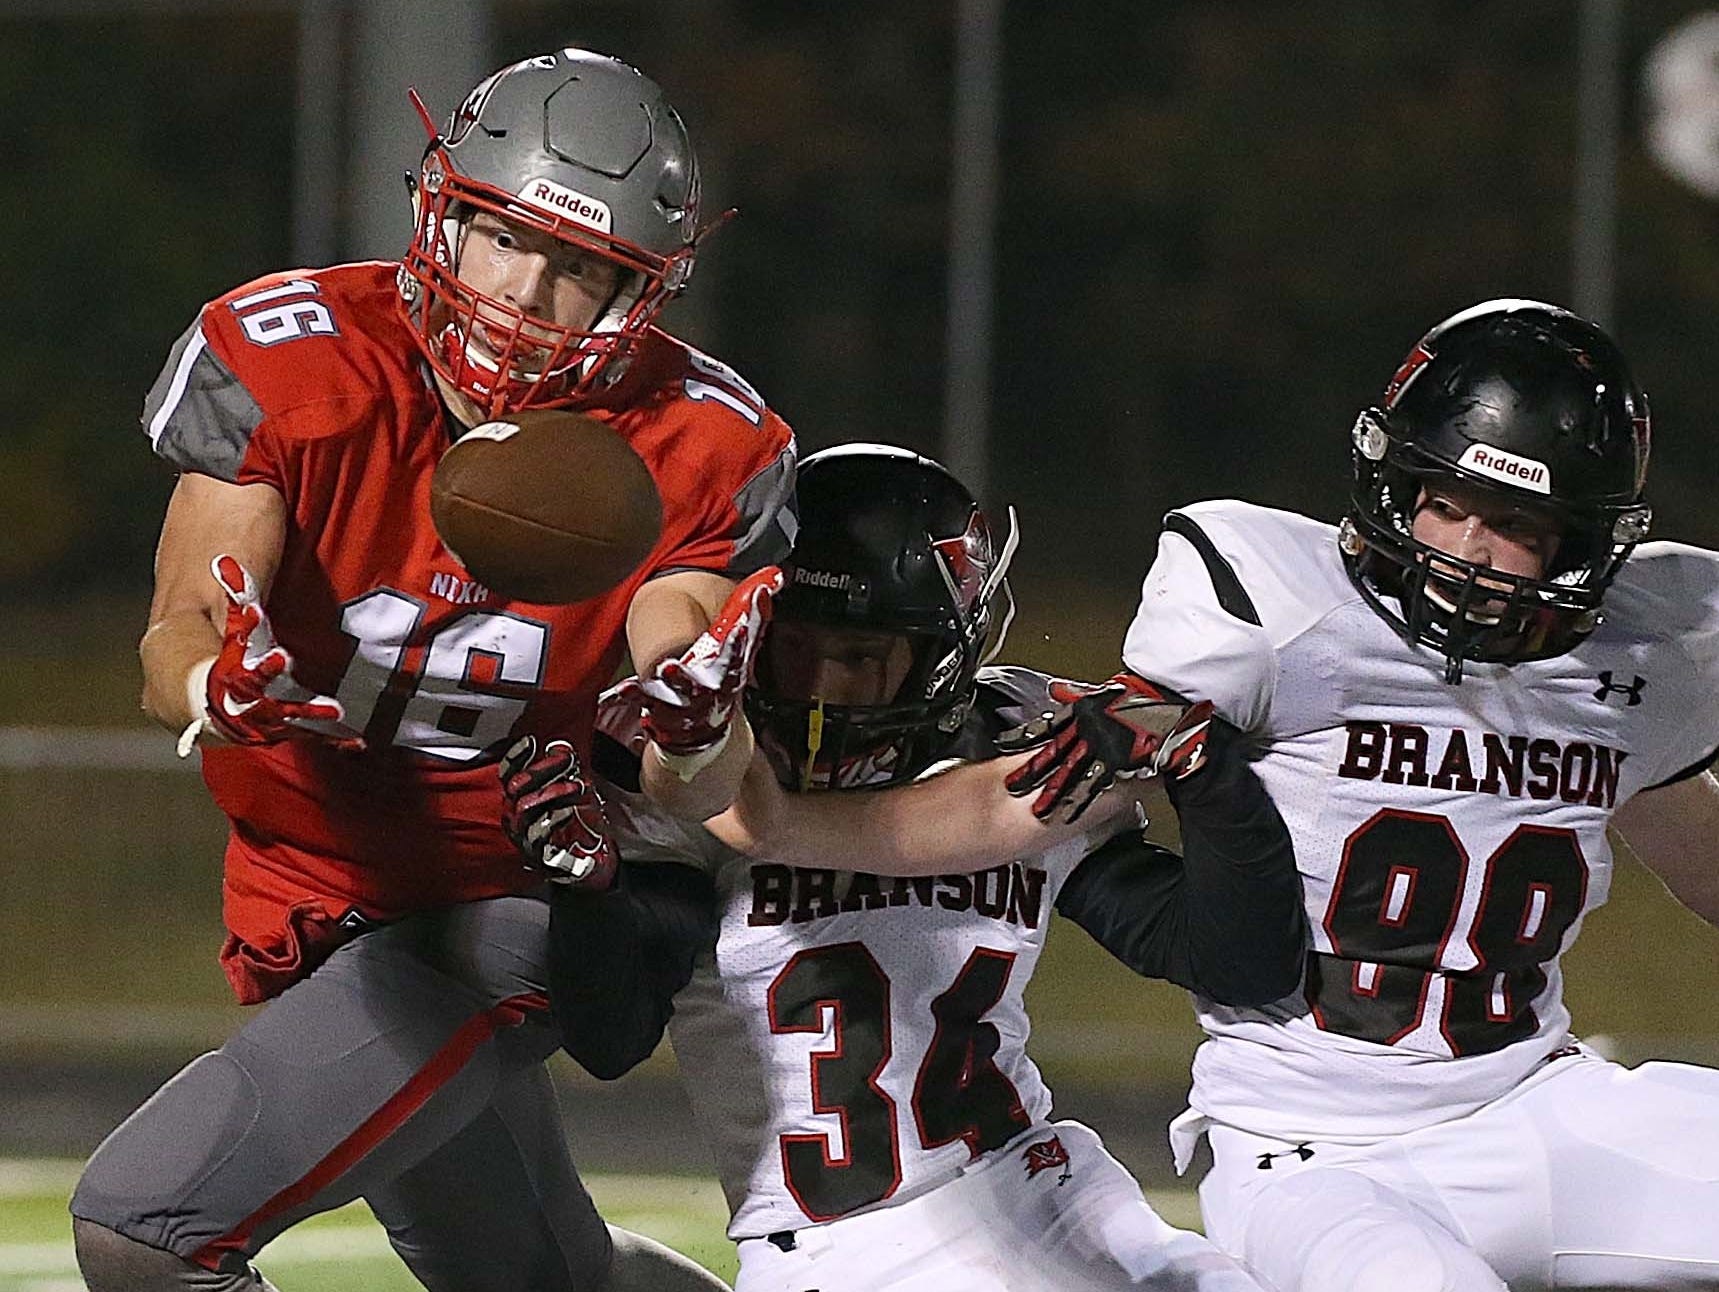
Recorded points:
822,578
547,195
1524,473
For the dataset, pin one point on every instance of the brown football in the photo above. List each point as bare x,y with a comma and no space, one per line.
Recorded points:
546,505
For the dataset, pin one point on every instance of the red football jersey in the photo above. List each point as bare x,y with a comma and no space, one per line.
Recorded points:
310,382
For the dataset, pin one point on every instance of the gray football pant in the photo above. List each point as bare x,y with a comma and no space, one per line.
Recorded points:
407,1070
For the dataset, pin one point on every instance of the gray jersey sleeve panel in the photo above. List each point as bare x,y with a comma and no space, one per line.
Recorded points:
198,415
769,519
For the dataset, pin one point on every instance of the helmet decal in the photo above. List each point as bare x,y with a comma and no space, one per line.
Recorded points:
467,114
967,558
1406,372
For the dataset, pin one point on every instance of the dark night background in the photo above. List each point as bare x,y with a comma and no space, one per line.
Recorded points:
1222,225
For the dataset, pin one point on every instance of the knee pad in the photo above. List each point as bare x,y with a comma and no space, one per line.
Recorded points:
1338,1231
142,1178
111,1262
1379,1259
642,1264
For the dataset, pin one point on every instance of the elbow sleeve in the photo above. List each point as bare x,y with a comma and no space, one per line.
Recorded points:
617,959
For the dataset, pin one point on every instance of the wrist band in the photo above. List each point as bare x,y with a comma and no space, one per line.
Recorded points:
686,766
197,700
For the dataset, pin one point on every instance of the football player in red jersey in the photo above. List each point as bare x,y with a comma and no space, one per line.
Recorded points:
352,687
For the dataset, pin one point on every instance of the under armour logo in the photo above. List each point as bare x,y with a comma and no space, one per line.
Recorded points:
356,921
1609,687
1301,1151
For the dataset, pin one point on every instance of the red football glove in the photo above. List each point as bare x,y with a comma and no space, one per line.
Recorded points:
252,697
1097,735
686,702
555,816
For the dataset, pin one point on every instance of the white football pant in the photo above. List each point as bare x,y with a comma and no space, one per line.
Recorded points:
1017,1221
1587,1175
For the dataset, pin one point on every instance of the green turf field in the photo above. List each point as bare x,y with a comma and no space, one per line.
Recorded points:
345,1250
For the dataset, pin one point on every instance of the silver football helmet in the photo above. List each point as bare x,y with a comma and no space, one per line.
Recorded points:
581,147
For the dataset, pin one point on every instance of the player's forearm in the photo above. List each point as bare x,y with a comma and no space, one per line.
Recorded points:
669,612
172,647
1692,877
617,959
1702,899
710,788
1224,919
1246,928
605,1004
186,616
961,820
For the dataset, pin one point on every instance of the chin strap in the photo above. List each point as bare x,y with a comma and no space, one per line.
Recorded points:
814,742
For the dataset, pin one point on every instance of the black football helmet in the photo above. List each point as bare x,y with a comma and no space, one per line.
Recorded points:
1532,403
892,549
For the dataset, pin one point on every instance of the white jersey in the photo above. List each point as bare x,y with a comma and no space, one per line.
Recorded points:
854,1040
1450,838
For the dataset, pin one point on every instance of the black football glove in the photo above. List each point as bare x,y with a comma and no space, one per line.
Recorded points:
555,816
1096,735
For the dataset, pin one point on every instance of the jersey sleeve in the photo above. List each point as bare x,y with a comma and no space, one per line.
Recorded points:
1672,591
200,417
1225,920
617,959
750,520
1197,630
268,372
1698,589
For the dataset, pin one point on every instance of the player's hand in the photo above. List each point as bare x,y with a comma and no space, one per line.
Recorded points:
686,703
251,695
555,816
1097,735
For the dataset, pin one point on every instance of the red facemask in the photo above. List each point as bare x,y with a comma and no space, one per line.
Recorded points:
528,362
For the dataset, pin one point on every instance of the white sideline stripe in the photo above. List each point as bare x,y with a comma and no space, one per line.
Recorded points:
295,1247
176,389
639,1199
31,1177
95,749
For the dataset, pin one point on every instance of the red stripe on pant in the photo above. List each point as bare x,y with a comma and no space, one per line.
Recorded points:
381,1124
